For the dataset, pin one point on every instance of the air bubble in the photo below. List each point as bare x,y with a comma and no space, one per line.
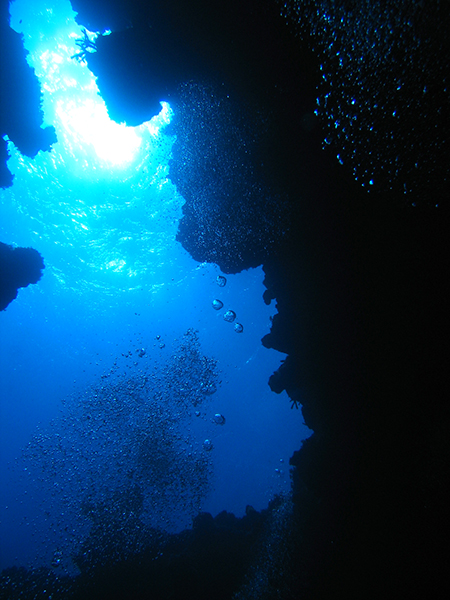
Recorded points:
229,316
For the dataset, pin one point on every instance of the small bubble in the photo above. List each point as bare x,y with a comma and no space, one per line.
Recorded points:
218,419
217,304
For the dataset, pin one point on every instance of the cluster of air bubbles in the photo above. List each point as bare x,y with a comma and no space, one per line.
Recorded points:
271,574
229,315
383,91
217,135
121,460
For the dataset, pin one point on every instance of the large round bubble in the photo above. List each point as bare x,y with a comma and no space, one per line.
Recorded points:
229,316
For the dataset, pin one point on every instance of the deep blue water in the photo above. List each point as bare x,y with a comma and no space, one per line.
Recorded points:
114,365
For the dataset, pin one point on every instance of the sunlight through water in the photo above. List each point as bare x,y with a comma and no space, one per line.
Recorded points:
126,336
88,122
71,98
128,216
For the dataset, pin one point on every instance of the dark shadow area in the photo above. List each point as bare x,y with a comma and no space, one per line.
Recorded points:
359,281
383,92
18,268
212,559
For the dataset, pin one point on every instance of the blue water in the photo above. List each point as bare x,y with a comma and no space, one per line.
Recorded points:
101,385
